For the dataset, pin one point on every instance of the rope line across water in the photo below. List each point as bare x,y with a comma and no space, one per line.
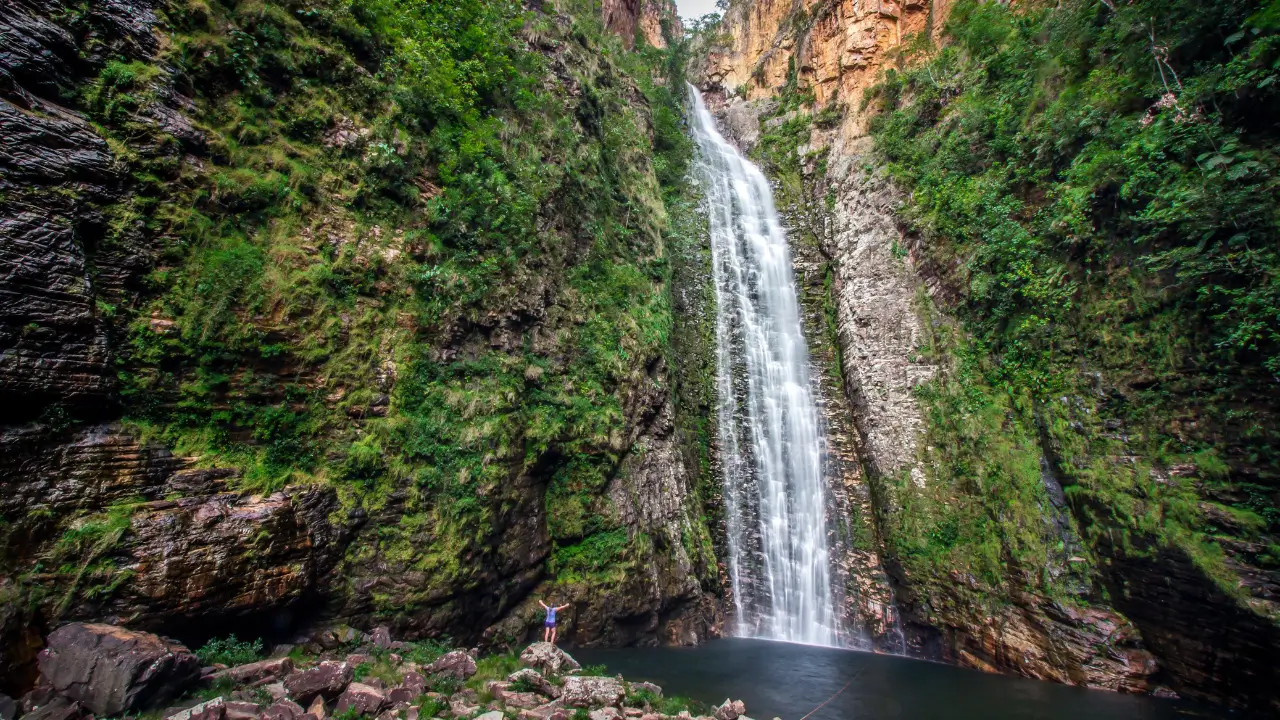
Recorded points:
833,697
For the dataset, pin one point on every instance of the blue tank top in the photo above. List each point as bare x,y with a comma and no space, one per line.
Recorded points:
551,614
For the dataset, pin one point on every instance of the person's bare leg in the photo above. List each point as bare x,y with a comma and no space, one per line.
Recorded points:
546,634
553,636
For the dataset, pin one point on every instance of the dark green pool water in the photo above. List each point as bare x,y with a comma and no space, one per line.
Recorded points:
787,681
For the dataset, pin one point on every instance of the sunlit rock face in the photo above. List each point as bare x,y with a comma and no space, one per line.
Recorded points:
836,48
1121,628
626,18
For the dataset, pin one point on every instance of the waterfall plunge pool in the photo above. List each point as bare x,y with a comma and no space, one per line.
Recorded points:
785,680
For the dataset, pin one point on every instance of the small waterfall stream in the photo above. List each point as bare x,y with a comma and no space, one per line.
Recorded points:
771,437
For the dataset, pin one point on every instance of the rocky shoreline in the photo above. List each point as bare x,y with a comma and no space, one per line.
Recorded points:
92,671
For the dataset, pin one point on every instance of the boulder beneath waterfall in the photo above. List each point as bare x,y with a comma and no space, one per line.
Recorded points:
109,670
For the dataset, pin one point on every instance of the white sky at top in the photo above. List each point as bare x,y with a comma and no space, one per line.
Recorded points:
695,8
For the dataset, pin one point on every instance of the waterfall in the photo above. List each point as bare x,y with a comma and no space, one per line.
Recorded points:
772,445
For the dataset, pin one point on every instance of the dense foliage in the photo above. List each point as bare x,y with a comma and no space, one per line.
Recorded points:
420,252
1100,179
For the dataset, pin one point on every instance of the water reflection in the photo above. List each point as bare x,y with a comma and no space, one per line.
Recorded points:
787,680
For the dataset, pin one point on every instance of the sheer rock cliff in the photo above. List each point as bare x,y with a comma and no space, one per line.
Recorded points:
107,514
791,81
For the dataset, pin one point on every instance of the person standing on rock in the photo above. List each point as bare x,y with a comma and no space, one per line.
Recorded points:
549,628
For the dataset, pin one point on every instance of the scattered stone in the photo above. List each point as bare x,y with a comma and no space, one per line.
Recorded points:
240,710
460,708
521,700
455,664
381,637
110,670
548,658
328,679
633,712
608,713
284,710
208,710
8,707
256,672
365,699
414,681
317,709
492,715
374,682
650,716
592,691
411,712
402,695
347,635
534,679
646,687
392,714
395,659
275,690
731,710
358,659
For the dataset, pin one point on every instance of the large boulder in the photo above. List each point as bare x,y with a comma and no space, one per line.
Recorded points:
362,699
254,673
586,692
110,670
646,687
328,679
283,710
548,658
533,680
731,710
381,637
455,664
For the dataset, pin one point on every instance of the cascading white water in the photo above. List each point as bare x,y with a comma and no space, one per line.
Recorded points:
771,438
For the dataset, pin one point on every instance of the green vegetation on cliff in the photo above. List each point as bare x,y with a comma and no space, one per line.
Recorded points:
420,253
1102,177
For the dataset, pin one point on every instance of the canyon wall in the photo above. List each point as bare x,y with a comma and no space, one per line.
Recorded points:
795,83
259,369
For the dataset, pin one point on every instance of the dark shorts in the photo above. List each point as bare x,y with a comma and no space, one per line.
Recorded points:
550,623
